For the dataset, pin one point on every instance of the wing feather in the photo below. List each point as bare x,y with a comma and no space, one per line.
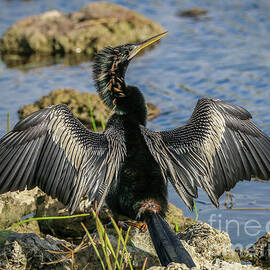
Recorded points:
28,164
218,147
15,167
53,150
9,170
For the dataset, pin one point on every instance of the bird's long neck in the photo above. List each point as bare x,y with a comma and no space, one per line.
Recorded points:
109,76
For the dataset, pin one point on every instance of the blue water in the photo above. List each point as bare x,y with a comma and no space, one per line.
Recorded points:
224,55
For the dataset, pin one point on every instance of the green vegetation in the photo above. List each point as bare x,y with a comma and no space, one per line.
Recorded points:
45,218
176,227
92,115
196,211
110,258
102,122
113,260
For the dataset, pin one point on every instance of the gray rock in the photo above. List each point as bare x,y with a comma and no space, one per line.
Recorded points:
15,205
206,265
259,253
210,243
193,13
171,266
28,251
206,246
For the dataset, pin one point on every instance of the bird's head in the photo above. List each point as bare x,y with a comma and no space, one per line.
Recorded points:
110,65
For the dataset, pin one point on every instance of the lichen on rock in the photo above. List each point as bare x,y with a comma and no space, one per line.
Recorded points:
28,251
210,243
258,253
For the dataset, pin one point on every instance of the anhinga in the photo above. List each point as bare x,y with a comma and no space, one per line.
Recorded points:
129,165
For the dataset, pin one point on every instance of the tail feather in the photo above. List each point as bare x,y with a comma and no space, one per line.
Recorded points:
168,247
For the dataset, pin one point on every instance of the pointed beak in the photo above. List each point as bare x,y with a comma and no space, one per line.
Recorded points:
145,44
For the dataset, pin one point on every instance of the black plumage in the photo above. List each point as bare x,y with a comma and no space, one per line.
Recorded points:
128,164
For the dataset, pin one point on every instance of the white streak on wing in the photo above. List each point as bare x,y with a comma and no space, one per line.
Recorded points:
69,143
213,139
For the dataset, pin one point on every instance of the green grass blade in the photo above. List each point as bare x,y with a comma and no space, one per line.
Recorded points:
102,122
45,218
124,242
125,250
117,253
110,247
92,114
106,239
108,259
102,238
94,246
196,211
176,226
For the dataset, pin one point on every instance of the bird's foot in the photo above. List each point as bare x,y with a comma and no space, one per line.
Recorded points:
142,226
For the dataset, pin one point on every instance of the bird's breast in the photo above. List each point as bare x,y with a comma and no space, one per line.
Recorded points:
140,179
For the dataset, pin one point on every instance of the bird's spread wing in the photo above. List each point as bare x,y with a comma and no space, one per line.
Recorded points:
51,149
218,147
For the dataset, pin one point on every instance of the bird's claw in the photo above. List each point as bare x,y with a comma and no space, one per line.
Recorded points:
142,226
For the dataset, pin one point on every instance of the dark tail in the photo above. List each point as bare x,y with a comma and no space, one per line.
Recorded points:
168,247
